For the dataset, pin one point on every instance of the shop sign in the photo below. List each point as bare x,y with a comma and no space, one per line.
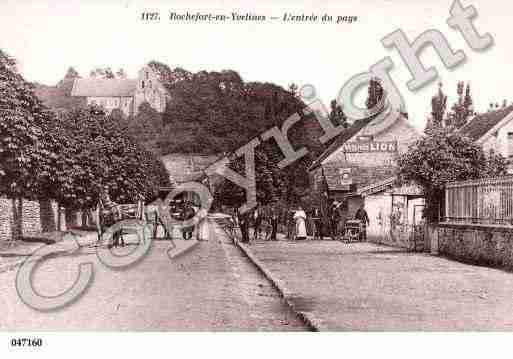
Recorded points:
370,146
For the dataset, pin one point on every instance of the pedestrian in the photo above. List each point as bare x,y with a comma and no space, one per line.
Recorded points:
362,216
335,219
291,227
109,215
274,224
300,219
203,226
257,221
188,214
244,227
316,219
342,214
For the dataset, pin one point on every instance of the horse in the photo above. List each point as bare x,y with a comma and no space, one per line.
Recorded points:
107,217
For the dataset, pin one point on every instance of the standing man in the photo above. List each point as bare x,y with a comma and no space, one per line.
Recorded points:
362,216
257,221
335,219
274,224
316,219
244,227
188,213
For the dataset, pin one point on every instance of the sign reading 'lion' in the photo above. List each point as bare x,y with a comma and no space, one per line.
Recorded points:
370,146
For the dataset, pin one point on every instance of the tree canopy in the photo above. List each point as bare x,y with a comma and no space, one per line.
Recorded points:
444,156
217,112
67,156
25,147
94,151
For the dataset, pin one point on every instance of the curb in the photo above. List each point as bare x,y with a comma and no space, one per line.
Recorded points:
313,323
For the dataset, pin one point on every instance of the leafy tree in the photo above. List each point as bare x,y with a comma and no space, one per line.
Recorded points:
71,74
144,127
167,76
444,156
146,124
102,73
337,115
293,89
216,112
266,178
24,146
461,109
438,108
121,74
375,93
95,151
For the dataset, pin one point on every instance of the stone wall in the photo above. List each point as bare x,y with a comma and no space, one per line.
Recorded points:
36,217
490,245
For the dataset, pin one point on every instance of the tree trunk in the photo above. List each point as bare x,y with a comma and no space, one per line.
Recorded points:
17,213
46,216
59,220
71,218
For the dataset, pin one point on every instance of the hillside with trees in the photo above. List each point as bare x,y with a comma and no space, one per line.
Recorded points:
67,155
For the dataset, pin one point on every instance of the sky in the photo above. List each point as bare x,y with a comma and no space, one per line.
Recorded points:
46,37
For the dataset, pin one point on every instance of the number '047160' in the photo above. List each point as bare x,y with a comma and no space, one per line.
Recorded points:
26,342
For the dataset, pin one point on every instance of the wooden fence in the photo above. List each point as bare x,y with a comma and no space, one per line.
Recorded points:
482,201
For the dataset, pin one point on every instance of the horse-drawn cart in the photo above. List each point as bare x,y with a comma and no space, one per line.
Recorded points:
109,216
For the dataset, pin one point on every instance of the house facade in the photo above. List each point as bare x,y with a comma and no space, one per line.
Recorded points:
124,94
493,130
360,167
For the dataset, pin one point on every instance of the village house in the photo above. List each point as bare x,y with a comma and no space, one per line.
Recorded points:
124,94
493,130
360,167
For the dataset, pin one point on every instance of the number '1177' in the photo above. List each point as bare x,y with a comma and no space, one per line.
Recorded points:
150,16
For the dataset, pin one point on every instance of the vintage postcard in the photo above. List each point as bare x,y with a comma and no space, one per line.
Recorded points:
273,166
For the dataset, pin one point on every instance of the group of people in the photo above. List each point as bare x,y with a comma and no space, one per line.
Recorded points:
337,215
185,211
258,217
268,218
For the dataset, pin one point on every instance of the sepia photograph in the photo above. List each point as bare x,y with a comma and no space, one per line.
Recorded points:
189,167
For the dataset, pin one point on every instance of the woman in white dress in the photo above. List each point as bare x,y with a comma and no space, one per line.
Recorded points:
203,226
300,219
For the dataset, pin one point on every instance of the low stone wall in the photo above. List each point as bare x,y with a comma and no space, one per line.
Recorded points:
490,245
36,217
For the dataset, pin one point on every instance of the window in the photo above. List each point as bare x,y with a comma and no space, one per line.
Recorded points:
149,83
142,84
147,75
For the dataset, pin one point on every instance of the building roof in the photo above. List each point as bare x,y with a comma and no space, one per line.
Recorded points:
58,97
104,87
482,123
341,139
359,176
376,187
